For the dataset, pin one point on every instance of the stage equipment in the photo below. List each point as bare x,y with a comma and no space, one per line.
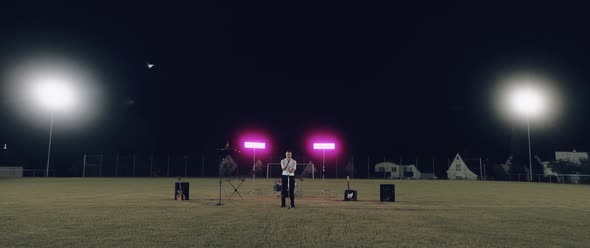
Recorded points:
181,190
349,195
387,192
235,187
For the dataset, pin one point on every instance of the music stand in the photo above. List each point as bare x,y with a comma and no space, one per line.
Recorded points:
236,188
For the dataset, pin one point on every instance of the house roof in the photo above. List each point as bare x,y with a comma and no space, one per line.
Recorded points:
471,163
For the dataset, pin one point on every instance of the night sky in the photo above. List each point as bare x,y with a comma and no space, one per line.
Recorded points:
390,79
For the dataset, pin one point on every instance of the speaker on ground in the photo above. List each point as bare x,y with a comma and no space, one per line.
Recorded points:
387,192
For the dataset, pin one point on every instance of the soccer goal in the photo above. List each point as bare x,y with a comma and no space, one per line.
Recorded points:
11,171
92,165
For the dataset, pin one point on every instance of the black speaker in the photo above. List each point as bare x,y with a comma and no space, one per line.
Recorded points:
388,192
350,195
185,190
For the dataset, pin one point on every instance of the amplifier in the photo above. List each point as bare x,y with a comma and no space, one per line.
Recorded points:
350,195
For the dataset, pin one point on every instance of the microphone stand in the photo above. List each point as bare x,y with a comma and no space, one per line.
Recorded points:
219,203
220,169
223,152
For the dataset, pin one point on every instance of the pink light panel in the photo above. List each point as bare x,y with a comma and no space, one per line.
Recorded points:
255,145
324,146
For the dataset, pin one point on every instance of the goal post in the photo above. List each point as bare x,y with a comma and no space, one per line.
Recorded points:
92,162
11,171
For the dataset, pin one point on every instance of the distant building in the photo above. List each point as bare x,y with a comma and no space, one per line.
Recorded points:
459,170
393,170
574,157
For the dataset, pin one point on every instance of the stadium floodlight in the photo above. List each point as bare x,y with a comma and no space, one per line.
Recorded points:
54,94
254,145
528,101
42,87
324,147
531,97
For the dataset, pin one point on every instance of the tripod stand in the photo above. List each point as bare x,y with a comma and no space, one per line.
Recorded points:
225,167
236,188
224,154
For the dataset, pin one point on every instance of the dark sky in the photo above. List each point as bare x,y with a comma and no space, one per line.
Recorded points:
399,78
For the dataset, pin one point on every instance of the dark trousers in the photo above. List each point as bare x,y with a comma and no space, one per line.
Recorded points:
291,180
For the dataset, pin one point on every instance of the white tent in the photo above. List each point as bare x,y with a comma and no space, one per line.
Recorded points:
459,170
398,171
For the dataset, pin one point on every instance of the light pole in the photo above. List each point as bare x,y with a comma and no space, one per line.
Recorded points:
528,131
254,146
54,87
324,147
56,95
49,147
529,102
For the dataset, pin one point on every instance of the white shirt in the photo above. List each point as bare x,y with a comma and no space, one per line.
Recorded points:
288,167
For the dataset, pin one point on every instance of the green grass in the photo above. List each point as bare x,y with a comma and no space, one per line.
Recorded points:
140,212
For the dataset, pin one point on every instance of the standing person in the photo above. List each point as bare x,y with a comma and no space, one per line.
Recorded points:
289,166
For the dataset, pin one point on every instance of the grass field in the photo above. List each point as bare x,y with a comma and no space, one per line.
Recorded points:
141,212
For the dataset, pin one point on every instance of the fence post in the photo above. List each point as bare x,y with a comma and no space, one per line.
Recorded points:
117,166
203,165
100,171
185,164
368,164
168,166
151,165
84,166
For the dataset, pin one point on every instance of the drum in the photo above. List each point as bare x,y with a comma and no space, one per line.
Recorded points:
277,187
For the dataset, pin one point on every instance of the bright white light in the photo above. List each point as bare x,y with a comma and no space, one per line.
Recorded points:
527,101
55,94
528,97
255,145
40,87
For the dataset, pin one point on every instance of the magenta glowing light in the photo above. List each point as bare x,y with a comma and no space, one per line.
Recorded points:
324,146
254,145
